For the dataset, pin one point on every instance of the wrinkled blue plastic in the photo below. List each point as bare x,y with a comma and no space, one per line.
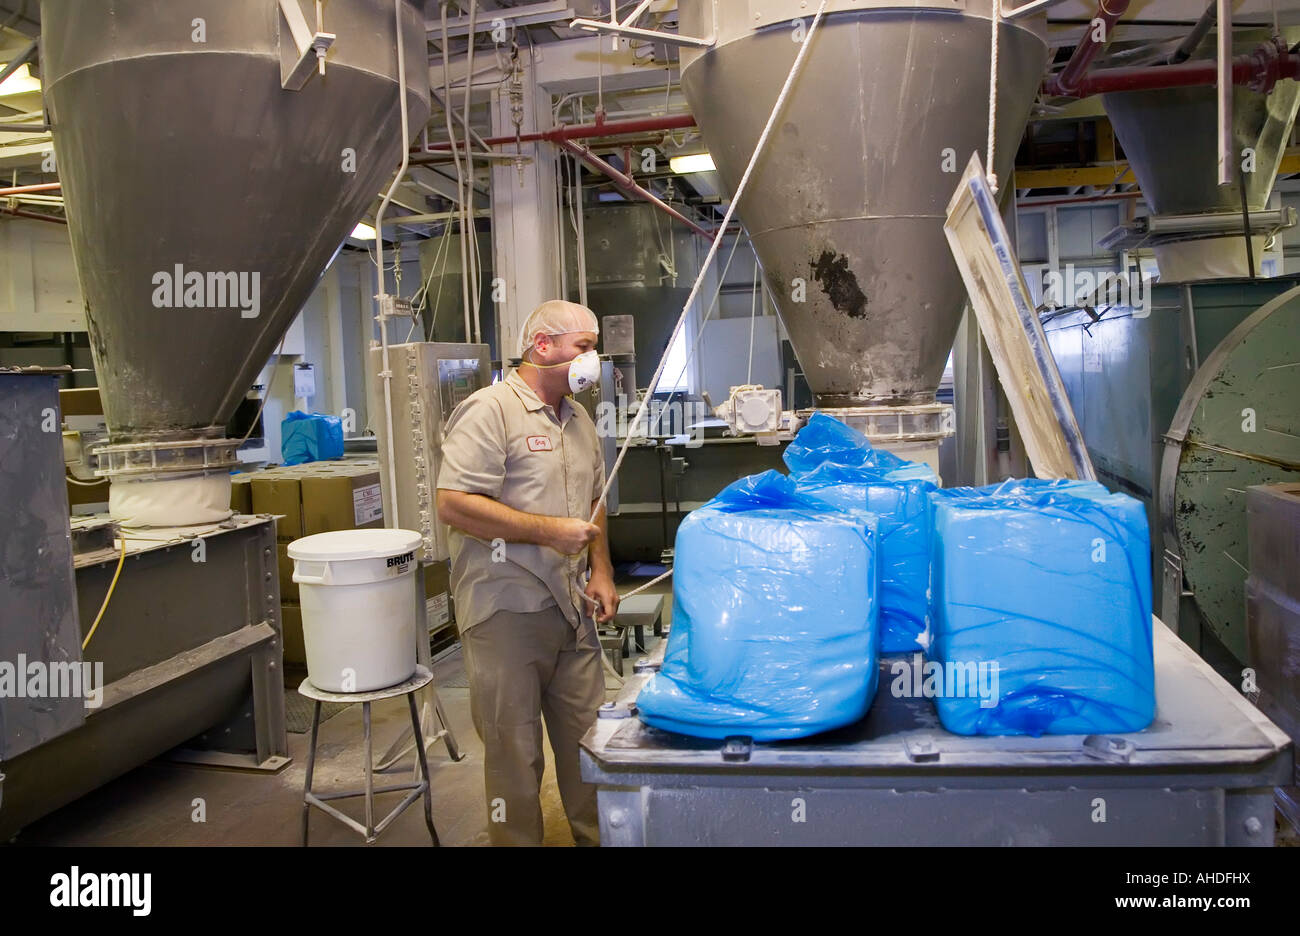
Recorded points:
837,464
824,439
308,437
775,618
1050,580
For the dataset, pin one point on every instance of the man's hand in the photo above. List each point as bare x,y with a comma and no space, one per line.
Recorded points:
601,588
570,535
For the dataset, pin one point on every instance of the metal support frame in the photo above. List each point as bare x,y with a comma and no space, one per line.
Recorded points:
430,703
419,787
624,27
1200,775
311,46
531,14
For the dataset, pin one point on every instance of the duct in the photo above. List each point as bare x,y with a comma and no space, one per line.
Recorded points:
1067,81
207,200
847,215
1170,137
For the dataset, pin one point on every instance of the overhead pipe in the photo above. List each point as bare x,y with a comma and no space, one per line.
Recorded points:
601,128
1193,39
1067,80
1224,81
28,189
628,185
1259,70
18,213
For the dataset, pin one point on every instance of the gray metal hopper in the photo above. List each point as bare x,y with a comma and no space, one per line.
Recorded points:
1170,138
850,196
205,200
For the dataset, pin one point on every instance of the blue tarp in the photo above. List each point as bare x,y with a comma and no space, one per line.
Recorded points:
308,437
775,617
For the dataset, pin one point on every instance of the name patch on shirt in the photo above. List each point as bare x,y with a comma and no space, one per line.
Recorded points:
539,444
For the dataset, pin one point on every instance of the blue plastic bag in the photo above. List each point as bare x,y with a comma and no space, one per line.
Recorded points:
308,437
902,510
824,439
775,617
1047,583
837,464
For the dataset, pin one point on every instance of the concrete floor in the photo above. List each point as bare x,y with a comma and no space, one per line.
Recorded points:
155,803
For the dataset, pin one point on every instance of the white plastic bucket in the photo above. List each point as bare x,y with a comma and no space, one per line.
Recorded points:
358,599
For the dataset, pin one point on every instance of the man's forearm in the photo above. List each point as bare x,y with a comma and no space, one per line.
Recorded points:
488,519
598,553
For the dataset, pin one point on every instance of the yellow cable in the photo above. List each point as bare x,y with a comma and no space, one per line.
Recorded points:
111,585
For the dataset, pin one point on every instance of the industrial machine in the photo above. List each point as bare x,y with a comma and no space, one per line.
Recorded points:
849,223
203,206
852,208
429,380
1187,398
195,250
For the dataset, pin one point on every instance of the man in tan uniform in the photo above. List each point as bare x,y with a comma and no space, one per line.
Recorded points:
522,472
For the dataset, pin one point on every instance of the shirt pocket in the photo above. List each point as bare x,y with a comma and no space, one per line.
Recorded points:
534,475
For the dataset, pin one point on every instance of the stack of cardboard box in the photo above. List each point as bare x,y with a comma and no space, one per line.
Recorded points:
321,497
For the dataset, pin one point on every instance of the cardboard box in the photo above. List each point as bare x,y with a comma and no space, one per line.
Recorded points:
1273,523
295,651
276,493
1273,642
288,587
241,493
341,498
437,595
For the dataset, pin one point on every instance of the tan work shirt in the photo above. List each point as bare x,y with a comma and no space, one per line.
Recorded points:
505,443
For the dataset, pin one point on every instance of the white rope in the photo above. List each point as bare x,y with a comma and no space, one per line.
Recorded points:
699,333
713,248
753,314
995,17
641,588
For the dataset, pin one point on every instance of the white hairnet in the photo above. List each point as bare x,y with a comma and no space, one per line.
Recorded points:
557,317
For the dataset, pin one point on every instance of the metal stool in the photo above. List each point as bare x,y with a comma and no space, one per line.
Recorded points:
423,676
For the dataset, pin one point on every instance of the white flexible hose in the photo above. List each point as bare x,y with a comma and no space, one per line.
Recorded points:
713,247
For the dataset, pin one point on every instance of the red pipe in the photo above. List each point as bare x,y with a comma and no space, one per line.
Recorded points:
627,185
601,128
1259,70
1066,81
25,189
34,216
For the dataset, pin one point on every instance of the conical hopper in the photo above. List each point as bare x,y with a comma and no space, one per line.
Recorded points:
847,204
1170,138
205,200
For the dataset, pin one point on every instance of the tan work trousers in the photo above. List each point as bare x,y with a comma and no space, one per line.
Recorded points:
524,666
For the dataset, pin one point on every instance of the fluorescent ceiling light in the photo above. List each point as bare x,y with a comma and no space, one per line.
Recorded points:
20,82
363,231
699,162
